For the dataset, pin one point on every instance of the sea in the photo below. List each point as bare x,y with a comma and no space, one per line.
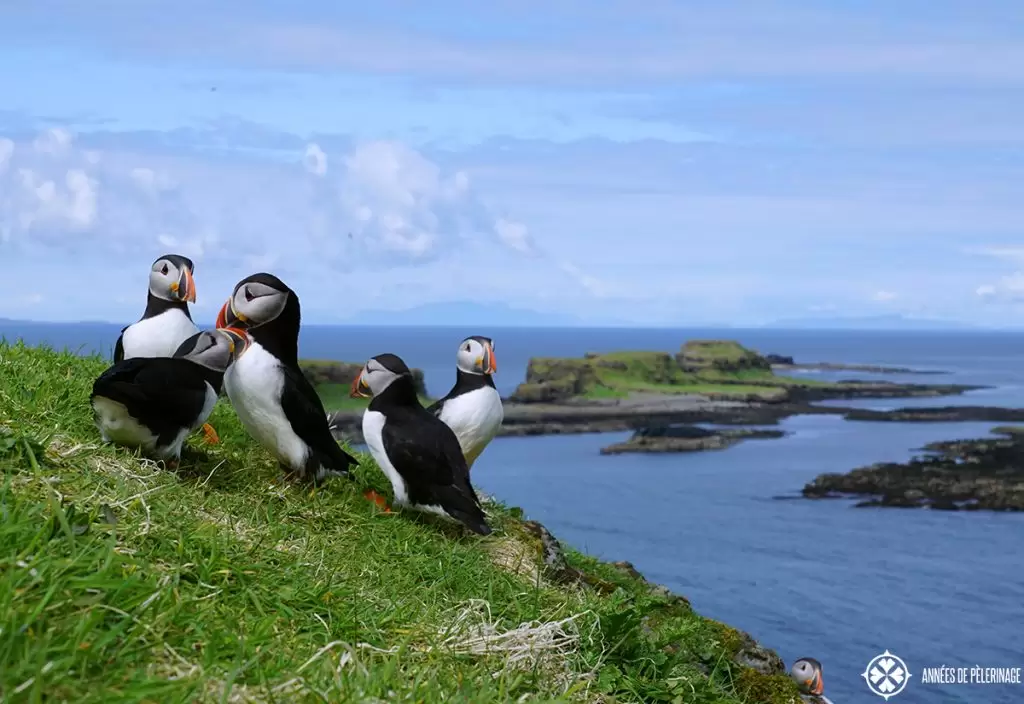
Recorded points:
727,529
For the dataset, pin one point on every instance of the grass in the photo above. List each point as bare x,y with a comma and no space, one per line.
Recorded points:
124,582
718,369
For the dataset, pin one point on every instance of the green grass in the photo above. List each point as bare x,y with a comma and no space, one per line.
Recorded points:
121,581
335,397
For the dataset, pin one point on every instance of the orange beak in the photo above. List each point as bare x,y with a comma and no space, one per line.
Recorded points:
185,287
359,388
492,361
239,340
222,318
816,685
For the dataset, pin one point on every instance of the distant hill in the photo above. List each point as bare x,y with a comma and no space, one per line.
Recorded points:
869,322
463,314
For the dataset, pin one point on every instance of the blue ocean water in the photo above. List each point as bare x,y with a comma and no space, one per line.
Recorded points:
819,579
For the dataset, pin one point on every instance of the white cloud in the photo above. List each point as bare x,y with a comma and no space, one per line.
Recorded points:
315,160
1008,289
883,296
385,214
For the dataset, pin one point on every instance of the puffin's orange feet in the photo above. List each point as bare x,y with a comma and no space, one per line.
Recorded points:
377,499
210,434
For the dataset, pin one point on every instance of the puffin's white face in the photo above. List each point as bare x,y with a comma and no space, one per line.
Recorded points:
170,278
214,349
476,356
377,375
253,304
808,676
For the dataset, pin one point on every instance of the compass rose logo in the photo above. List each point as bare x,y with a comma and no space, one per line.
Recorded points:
886,675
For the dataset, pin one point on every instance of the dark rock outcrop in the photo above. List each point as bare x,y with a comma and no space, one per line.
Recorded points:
942,414
550,379
779,359
685,438
985,474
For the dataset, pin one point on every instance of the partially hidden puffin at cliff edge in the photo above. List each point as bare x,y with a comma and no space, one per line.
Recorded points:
472,409
272,397
418,453
166,322
153,403
808,675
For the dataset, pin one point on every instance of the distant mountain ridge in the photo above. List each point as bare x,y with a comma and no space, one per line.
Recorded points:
870,322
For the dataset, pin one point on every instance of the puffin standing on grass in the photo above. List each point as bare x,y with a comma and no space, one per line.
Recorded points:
808,675
272,397
166,322
472,409
153,403
417,452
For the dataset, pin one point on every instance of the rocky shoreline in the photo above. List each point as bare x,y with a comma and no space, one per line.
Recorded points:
971,475
656,410
686,438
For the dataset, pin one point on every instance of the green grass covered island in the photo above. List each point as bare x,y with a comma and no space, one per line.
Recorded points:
124,582
720,369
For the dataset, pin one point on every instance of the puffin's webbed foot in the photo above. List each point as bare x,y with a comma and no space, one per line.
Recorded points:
377,499
210,434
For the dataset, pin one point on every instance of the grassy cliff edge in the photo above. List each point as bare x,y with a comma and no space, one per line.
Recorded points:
121,581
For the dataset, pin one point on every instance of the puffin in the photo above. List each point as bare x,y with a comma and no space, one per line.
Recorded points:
166,322
154,403
272,397
417,452
472,409
808,675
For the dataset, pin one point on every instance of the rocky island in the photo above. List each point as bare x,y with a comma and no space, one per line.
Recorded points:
706,381
685,438
984,474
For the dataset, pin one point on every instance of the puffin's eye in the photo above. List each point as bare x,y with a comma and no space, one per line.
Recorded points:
248,294
164,270
466,347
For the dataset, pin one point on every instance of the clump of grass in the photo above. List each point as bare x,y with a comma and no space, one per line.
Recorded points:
121,581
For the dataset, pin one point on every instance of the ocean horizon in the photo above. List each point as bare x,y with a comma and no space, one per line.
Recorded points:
805,578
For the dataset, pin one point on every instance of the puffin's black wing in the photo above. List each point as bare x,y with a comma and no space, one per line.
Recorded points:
119,346
305,412
160,392
427,454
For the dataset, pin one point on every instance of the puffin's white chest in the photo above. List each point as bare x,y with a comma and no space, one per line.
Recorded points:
475,418
373,428
253,384
159,336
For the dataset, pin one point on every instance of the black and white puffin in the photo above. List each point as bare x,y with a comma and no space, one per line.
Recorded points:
417,452
166,322
808,675
153,403
472,409
272,397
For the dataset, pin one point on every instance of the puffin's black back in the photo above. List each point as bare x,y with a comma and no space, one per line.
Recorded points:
165,394
427,454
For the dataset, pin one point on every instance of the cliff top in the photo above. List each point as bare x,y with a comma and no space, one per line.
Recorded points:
122,581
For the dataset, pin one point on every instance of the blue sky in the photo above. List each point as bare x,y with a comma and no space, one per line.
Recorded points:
665,163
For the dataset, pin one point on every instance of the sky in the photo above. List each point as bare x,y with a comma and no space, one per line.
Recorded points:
660,163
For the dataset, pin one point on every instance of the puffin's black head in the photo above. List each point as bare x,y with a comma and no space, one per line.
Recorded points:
213,349
378,374
476,355
170,279
257,300
808,675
